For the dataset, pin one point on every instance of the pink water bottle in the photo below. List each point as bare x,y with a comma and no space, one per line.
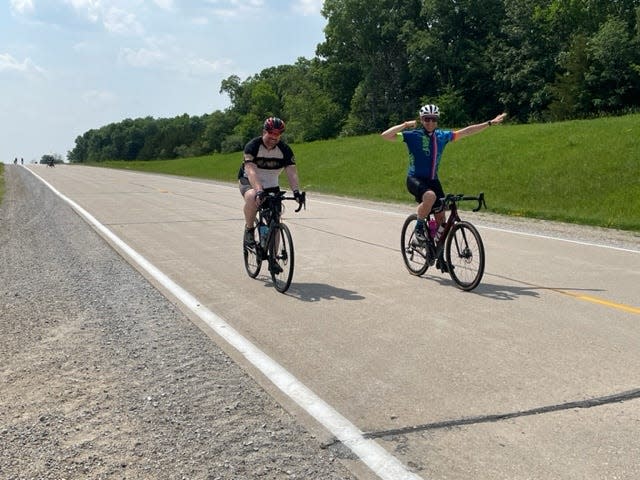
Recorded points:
433,227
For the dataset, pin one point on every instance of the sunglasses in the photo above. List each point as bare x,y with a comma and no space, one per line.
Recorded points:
428,119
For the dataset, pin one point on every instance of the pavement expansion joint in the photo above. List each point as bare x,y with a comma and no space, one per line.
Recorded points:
588,403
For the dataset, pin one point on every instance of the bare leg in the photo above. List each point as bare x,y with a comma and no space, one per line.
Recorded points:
250,208
428,199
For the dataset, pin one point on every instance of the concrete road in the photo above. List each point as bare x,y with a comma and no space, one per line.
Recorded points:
533,375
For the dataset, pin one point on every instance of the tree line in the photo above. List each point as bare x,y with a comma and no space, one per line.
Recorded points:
538,60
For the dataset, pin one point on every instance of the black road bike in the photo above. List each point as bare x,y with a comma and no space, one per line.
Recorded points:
274,242
459,245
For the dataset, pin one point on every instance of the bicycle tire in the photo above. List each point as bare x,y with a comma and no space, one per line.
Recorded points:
252,259
281,257
466,261
415,255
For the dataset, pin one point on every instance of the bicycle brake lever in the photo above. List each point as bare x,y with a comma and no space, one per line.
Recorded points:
481,202
302,203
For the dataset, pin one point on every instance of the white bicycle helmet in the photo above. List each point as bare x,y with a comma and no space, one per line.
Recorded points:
429,111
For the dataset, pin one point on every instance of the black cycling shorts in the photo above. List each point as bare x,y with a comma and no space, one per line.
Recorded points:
419,186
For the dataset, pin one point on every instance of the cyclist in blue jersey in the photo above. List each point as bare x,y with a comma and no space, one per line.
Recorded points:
425,145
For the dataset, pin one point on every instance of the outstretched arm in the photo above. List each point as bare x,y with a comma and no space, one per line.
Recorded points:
390,133
478,127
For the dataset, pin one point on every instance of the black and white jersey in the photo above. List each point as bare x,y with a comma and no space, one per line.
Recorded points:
269,163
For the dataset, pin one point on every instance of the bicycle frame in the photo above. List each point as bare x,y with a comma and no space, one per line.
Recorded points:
450,202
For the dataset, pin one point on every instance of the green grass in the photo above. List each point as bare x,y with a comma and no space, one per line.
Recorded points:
585,171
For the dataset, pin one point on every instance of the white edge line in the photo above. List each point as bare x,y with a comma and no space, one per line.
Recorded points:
560,239
381,462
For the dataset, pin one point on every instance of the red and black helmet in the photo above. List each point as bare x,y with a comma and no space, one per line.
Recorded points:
273,125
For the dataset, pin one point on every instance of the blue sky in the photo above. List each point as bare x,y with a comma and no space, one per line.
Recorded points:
67,66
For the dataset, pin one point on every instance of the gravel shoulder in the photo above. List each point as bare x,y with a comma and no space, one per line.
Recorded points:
103,377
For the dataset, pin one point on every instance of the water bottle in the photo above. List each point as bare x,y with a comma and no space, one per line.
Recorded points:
438,235
433,227
264,231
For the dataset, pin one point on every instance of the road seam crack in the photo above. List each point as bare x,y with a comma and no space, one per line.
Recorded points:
588,403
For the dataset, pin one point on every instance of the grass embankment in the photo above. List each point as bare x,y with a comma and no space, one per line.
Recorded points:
585,171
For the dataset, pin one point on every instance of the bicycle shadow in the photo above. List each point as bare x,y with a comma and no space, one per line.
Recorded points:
506,292
503,292
315,292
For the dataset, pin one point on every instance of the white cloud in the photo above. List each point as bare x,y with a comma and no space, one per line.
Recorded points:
164,4
98,98
200,21
308,7
116,17
201,66
142,57
236,8
92,8
10,64
172,59
21,7
166,53
119,21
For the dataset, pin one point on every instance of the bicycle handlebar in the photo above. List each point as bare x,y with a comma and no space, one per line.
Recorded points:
451,198
281,195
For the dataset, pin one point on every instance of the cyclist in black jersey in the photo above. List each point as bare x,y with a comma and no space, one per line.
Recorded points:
265,157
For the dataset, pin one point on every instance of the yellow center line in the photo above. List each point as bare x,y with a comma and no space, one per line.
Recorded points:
600,301
579,296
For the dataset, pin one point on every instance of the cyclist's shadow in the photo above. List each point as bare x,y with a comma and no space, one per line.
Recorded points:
504,292
315,292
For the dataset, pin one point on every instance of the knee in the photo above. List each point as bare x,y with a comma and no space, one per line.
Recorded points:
429,197
249,195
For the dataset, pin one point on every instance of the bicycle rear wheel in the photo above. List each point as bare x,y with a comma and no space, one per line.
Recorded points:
281,258
414,253
252,258
465,255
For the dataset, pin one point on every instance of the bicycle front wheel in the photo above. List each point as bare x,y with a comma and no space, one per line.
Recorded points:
252,259
465,255
281,258
414,253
